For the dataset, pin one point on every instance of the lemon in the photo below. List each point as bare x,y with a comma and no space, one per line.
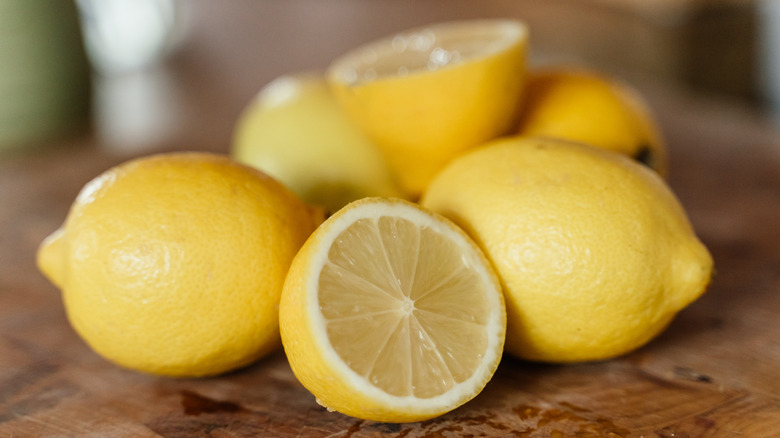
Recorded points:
391,313
595,253
173,264
427,94
590,107
296,132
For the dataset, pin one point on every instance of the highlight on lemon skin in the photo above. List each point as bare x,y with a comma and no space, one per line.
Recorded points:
595,253
391,313
173,264
577,104
427,94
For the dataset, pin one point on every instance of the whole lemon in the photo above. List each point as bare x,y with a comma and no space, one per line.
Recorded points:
295,131
594,251
173,264
590,107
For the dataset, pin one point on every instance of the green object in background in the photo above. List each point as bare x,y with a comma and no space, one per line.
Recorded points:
45,86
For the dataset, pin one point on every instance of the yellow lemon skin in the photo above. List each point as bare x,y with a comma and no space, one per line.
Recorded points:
296,132
594,251
589,107
173,264
420,115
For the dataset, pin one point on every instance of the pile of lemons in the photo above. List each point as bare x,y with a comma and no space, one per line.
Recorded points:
398,222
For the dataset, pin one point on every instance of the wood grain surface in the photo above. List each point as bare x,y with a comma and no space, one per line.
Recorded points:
715,372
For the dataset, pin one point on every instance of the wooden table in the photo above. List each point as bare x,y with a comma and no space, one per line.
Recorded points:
714,372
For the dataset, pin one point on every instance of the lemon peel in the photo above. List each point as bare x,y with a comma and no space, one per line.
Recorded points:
595,253
173,264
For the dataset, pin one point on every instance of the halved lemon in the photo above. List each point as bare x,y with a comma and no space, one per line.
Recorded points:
426,94
391,313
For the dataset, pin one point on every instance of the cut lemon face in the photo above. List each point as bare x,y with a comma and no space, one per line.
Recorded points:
426,94
391,313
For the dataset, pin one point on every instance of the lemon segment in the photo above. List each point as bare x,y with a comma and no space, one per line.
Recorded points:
173,264
390,313
427,94
589,107
595,253
296,132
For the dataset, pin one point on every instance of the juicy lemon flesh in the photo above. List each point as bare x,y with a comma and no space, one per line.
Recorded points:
427,50
405,318
391,313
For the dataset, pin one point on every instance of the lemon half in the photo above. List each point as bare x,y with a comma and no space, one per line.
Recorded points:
426,94
391,313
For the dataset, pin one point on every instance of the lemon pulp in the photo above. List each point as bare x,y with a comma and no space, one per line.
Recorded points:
401,318
391,313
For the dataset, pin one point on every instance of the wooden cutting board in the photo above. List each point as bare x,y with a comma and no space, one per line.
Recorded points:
715,372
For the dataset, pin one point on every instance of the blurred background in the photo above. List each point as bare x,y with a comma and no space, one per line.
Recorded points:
139,75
